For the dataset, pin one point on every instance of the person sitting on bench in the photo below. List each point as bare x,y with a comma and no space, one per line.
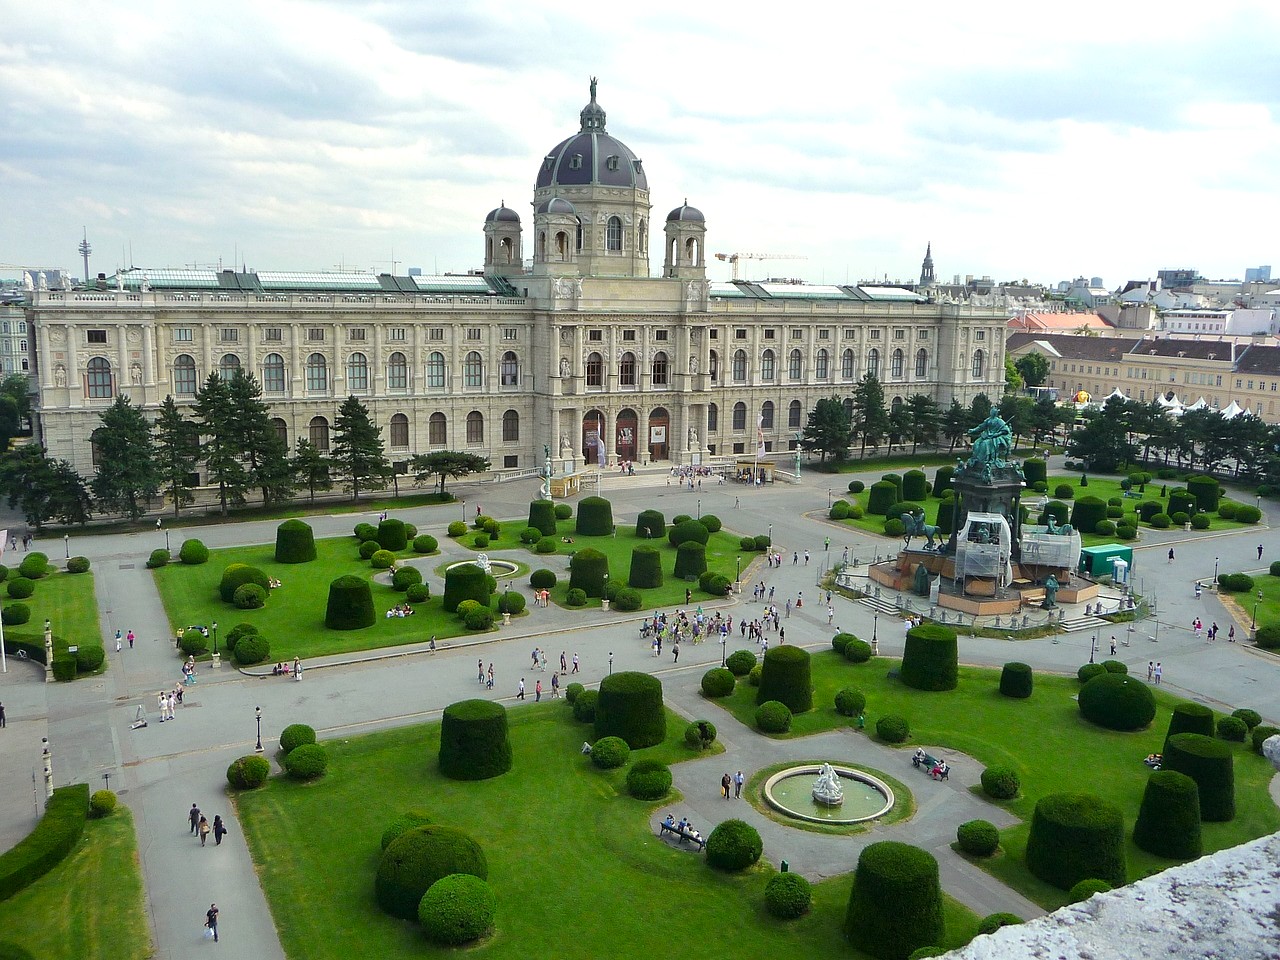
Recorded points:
919,757
670,822
941,771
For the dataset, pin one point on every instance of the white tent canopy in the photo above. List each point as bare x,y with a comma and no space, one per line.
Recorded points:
1200,404
1232,411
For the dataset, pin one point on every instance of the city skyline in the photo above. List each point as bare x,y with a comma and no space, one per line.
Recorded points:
307,136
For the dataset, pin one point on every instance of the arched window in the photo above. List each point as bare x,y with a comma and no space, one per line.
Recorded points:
475,427
794,412
317,377
822,368
562,246
979,364
397,372
400,431
766,415
357,372
228,366
507,249
99,379
795,365
848,407
435,371
510,426
318,433
273,379
627,370
509,370
714,366
282,431
184,375
873,362
896,365
713,418
642,232
896,405
613,235
660,370
740,366
437,434
739,416
472,370
922,362
595,371
846,365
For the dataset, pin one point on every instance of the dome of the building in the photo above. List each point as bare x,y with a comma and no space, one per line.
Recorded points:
686,212
556,205
592,157
502,213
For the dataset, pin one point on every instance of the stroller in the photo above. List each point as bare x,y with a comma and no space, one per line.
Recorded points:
646,628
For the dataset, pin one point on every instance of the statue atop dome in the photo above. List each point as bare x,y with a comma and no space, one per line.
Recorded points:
592,115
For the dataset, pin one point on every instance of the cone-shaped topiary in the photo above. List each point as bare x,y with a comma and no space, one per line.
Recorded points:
392,535
630,707
595,517
646,568
1188,717
1074,837
350,604
1015,680
1117,701
895,906
651,525
785,676
942,480
946,511
473,740
417,859
1168,822
542,517
1056,509
691,560
465,582
686,531
883,495
1208,762
1087,512
588,567
295,542
930,659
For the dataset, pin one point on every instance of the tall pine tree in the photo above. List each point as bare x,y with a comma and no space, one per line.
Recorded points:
310,468
955,423
357,449
828,429
265,455
220,439
924,420
177,453
127,476
870,419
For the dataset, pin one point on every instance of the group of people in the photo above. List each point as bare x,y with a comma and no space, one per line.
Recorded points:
26,542
1155,672
682,826
938,769
400,610
201,827
283,669
120,640
167,702
627,468
1197,626
694,627
734,782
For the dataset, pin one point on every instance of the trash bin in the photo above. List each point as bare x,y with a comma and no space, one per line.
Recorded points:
785,866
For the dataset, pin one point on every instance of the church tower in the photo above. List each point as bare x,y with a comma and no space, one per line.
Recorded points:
686,232
927,277
502,256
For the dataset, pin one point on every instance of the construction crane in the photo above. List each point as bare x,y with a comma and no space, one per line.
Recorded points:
733,258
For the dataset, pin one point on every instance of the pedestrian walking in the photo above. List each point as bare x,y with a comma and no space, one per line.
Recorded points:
119,643
537,692
4,723
489,685
520,695
788,607
563,666
1231,638
1159,673
1171,554
211,920
845,558
480,670
1259,551
130,637
203,830
795,557
831,615
193,815
219,831
675,658
1113,644
806,558
782,632
173,702
433,643
575,664
737,785
725,783
555,685
1151,666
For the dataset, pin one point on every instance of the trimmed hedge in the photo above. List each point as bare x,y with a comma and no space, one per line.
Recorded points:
651,525
417,859
367,549
425,543
1209,763
1235,582
78,565
465,582
839,510
895,906
787,896
1260,735
158,558
457,909
733,845
649,780
1090,670
575,597
249,596
584,706
610,753
1035,470
856,486
882,497
595,517
930,659
896,480
235,633
994,921
236,575
840,641
1168,823
1074,837
15,615
978,838
1056,509
630,707
700,734
193,553
915,485
785,676
350,605
718,682
295,542
1000,783
53,838
307,762
296,735
249,772
382,559
1117,701
892,728
1087,889
563,511
542,517
250,649
1268,637
542,579
365,532
405,577
773,716
850,702
1064,491
587,569
1250,718
688,531
646,568
946,514
942,480
401,825
691,560
1188,717
740,662
1088,512
20,588
1015,680
511,602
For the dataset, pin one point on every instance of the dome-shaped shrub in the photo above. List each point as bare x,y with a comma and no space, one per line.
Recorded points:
512,602
296,735
193,643
628,599
572,691
646,568
856,486
365,532
785,676
1181,502
236,575
193,552
420,857
894,527
733,845
587,570
1209,763
1074,837
595,517
480,541
1161,521
1250,718
753,677
1260,735
609,753
1000,783
711,522
417,593
405,577
915,485
425,543
78,565
978,838
762,542
102,803
457,909
718,682
1115,666
1090,670
714,584
649,780
700,734
1189,717
1086,889
307,762
392,535
1015,680
896,903
1168,822
691,560
1104,528
1064,491
892,728
1117,701
15,614
575,597
367,549
456,528
740,662
584,706
929,661
464,582
250,649
158,558
787,896
651,525
773,716
542,579
546,545
479,619
839,510
89,657
563,511
840,640
690,531
249,772
382,559
402,825
249,596
350,605
630,707
857,651
680,518
295,542
850,702
994,921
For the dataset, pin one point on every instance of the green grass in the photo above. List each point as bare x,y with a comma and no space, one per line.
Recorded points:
90,906
1043,738
1268,608
574,864
65,599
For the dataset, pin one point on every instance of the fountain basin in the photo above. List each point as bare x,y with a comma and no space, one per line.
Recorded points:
790,792
497,568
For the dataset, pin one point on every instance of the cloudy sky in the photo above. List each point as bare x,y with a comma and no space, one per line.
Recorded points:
1023,140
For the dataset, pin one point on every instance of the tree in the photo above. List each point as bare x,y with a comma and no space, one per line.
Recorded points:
446,463
220,448
263,451
357,449
128,476
1033,367
870,419
1016,411
17,386
10,421
177,453
1012,378
924,418
68,499
827,430
955,423
1102,444
979,410
44,489
1045,418
310,468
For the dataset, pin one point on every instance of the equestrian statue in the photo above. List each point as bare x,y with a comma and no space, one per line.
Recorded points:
913,525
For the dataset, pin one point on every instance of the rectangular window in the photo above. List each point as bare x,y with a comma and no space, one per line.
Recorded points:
396,335
660,334
435,333
272,335
850,333
510,333
980,335
715,334
738,447
875,334
797,333
899,334
315,334
473,333
595,336
922,334
511,460
628,336
228,334
356,333
182,335
740,333
824,334
96,336
770,334
1238,382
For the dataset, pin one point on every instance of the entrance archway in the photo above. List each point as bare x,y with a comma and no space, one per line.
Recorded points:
659,434
592,427
625,442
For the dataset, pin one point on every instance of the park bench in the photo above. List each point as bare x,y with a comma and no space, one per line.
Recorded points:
928,762
1133,495
684,835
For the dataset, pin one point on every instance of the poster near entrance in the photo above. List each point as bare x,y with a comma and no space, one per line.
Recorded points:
659,427
592,445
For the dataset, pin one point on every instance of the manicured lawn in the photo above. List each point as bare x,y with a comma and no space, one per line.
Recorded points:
67,600
1268,609
576,868
1043,738
90,906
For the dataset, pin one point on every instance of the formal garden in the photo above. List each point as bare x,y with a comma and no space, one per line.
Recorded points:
36,590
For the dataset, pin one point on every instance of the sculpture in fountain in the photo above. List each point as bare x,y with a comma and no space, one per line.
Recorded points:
828,790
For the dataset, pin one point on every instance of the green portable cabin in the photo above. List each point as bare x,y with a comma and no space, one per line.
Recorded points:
1096,561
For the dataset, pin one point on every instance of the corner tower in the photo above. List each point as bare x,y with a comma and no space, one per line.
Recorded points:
927,278
502,255
684,254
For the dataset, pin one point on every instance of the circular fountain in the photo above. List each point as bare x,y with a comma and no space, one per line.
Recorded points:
827,793
498,569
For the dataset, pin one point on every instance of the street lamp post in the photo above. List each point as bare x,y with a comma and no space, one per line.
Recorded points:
737,579
257,715
462,504
215,638
1215,574
1093,648
875,634
699,509
66,543
166,542
771,535
828,498
1253,625
48,768
611,663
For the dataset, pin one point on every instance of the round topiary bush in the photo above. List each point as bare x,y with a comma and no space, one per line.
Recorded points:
1000,783
630,707
307,762
595,517
78,565
856,486
690,531
20,588
368,548
1260,734
296,735
193,552
1268,637
740,662
480,618
457,909
572,691
649,780
993,922
401,825
1115,666
365,532
733,845
102,804
1074,837
1160,521
350,605
840,640
1209,763
1086,889
417,593
456,529
609,753
930,659
1117,701
89,657
715,584
753,677
420,857
857,651
651,525
295,542
480,541
248,772
893,729
1015,680
896,903
465,582
235,633
718,682
473,740
1104,528
250,649
1188,717
15,614
587,570
1064,491
542,579
575,597
563,511
840,510
1090,670
249,596
584,706
850,702
1250,718
700,734
1200,521
762,542
1168,823
787,896
393,535
236,575
785,676
158,558
628,599
1125,531
405,577
978,838
1056,509
193,643
894,528
511,602
773,716
382,559
691,560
